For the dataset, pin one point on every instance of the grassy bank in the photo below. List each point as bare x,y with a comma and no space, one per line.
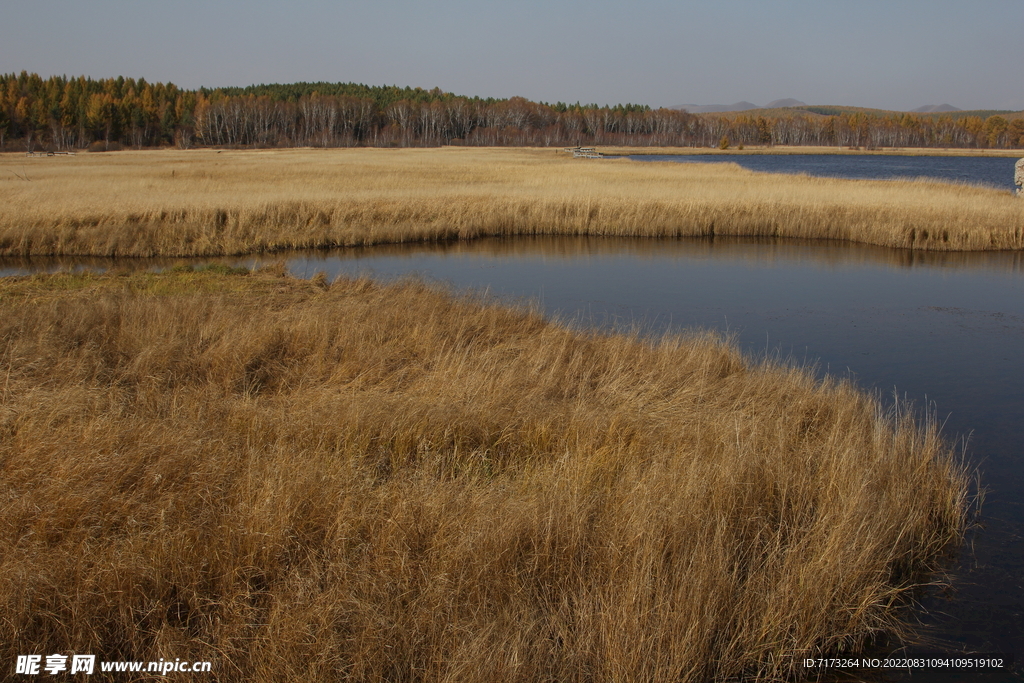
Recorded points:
306,481
812,149
206,202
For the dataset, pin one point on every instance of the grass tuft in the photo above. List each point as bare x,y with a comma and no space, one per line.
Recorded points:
312,482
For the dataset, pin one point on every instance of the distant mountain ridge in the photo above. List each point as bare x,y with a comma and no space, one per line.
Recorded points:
934,109
715,108
790,102
738,106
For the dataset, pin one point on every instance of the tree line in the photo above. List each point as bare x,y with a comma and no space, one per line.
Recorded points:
61,113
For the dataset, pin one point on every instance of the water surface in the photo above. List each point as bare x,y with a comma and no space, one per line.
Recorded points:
994,172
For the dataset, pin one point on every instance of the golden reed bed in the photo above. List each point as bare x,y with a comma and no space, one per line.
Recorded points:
209,202
306,481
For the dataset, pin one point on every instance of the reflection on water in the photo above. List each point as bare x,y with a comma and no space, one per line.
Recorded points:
26,265
763,250
944,329
781,250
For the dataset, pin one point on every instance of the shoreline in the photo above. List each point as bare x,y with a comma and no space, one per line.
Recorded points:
784,150
611,150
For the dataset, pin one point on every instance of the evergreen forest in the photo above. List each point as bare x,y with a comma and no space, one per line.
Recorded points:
63,114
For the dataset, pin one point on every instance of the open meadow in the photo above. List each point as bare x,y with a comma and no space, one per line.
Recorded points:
214,202
304,480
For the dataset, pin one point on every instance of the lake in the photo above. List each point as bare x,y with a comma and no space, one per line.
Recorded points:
994,172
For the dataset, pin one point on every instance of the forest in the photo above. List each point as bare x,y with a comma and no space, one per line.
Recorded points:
62,114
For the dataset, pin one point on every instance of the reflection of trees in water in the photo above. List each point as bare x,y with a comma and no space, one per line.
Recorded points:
758,250
26,265
755,250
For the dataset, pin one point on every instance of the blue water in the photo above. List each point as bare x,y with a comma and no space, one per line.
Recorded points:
994,172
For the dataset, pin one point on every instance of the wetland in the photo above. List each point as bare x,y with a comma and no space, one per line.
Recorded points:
345,424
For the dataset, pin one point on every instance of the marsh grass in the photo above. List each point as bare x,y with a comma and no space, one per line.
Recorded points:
207,202
789,150
316,481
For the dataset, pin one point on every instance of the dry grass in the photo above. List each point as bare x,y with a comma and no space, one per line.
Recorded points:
822,149
305,481
206,202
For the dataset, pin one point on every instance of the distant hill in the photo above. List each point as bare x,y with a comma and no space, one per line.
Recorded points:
788,102
791,107
715,108
780,108
935,109
838,110
980,113
738,106
831,110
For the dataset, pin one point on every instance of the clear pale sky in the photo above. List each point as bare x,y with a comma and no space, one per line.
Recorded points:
892,54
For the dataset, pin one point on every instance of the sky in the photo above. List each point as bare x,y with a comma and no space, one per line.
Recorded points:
891,54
